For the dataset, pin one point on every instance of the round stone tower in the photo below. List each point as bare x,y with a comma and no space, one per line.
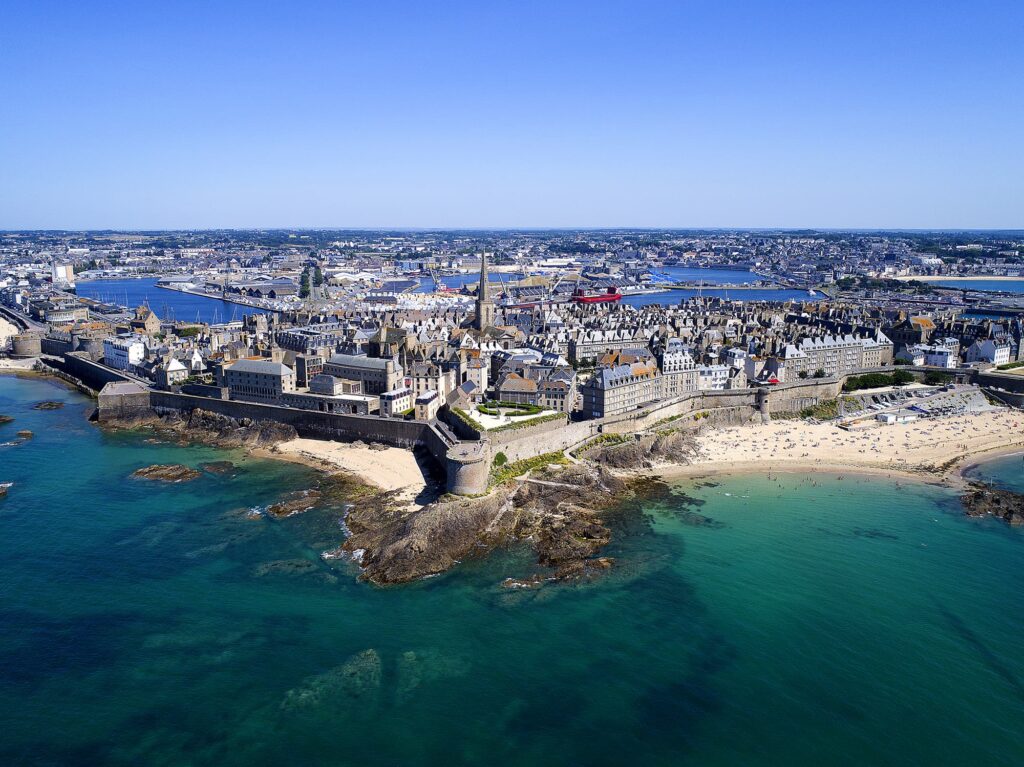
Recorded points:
468,467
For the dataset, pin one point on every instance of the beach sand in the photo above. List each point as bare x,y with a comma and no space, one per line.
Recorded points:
959,278
8,330
928,449
389,468
22,365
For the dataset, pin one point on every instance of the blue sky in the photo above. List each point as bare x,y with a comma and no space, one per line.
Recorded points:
524,114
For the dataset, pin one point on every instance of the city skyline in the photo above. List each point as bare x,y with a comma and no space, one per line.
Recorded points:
597,116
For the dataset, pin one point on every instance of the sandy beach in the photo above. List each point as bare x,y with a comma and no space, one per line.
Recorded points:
17,365
959,278
925,449
7,331
389,468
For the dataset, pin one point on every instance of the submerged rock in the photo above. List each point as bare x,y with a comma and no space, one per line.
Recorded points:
5,419
173,472
4,487
416,668
218,467
358,679
48,405
982,500
25,434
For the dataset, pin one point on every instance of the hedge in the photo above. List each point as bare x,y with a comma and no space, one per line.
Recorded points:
531,422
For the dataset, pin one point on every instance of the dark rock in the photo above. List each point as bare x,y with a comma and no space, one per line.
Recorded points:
982,500
174,472
212,429
559,515
25,434
218,467
295,503
289,567
5,419
48,405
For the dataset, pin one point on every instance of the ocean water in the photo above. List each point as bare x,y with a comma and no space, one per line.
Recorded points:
750,620
457,281
1004,286
168,304
672,297
1006,472
709,275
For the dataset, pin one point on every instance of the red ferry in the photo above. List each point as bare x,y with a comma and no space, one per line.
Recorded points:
581,296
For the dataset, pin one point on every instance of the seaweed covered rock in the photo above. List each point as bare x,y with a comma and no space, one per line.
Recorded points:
982,500
295,503
211,428
48,405
173,472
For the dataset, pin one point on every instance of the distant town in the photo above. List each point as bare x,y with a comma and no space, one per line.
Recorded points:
506,346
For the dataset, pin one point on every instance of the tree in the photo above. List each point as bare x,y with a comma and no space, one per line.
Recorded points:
318,277
819,373
934,378
304,288
902,377
802,374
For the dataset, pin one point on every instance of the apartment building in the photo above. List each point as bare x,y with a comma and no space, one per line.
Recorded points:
259,380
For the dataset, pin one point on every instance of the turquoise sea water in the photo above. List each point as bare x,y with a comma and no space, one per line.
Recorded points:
799,621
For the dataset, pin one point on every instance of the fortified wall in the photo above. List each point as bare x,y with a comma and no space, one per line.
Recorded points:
466,473
466,458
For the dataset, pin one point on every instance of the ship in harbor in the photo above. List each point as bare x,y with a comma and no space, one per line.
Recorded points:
609,295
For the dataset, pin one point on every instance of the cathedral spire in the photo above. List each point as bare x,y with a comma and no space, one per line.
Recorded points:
484,305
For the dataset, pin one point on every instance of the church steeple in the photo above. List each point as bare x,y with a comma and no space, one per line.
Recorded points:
484,305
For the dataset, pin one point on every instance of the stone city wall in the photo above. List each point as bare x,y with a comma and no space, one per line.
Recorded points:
92,374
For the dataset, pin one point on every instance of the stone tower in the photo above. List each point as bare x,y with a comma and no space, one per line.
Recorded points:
484,305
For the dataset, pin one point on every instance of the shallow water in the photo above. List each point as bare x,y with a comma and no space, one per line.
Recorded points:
748,621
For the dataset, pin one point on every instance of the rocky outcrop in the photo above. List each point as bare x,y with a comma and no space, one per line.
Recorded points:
984,501
173,472
296,503
557,511
48,405
5,419
645,450
211,428
25,434
402,546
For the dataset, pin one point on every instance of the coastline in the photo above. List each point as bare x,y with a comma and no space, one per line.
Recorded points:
939,278
388,469
938,452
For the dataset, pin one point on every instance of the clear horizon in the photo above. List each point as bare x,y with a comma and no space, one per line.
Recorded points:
880,117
